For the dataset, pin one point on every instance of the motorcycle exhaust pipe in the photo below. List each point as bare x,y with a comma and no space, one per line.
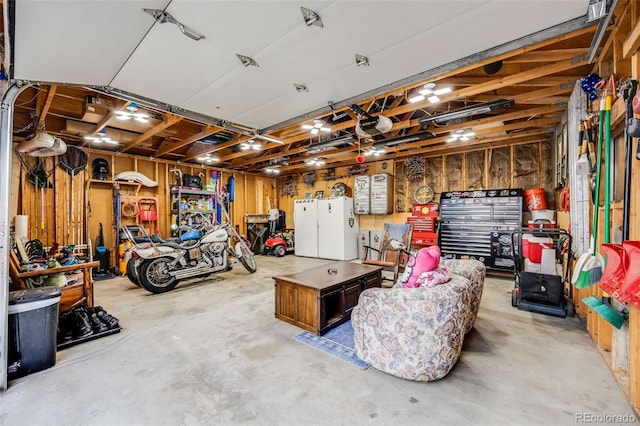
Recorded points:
189,272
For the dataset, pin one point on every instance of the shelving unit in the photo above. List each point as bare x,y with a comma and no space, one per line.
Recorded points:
186,201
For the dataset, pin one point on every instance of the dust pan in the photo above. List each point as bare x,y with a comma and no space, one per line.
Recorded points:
605,311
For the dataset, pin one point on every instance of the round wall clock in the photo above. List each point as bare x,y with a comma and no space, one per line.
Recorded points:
423,194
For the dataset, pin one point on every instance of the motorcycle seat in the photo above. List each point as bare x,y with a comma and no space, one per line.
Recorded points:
185,245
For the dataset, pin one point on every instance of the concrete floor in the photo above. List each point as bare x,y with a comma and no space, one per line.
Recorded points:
211,352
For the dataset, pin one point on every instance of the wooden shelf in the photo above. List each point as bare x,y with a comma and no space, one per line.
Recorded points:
116,183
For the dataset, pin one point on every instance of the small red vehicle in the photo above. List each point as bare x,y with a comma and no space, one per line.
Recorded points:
279,244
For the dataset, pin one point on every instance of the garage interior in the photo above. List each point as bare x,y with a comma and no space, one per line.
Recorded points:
281,101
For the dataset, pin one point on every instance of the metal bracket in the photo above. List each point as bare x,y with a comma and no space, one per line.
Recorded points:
161,17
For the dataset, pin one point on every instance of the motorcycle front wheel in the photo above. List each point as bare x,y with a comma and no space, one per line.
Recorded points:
245,256
154,275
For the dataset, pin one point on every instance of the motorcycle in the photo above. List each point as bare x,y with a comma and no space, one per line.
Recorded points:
206,249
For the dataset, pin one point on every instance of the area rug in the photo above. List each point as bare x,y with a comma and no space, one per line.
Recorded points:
337,342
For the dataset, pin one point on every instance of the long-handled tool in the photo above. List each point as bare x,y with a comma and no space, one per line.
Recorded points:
603,307
589,265
582,166
73,161
628,93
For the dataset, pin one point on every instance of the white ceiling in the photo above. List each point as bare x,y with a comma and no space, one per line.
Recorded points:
114,43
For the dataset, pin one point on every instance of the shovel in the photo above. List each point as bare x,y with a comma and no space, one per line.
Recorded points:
615,269
629,291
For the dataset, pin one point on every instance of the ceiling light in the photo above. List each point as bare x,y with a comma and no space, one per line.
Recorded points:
101,137
429,92
209,159
315,162
247,61
316,127
310,17
271,170
132,113
468,111
460,135
362,60
161,17
251,144
373,151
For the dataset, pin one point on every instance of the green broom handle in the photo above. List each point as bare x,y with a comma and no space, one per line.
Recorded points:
596,198
607,169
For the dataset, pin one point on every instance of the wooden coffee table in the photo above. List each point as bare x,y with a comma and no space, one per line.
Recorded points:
321,298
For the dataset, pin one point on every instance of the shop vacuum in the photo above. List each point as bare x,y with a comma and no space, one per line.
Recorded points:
102,255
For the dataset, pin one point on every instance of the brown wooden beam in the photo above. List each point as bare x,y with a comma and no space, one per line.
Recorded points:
169,120
44,109
206,131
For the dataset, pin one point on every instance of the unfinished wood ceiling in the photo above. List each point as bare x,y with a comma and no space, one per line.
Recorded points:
93,59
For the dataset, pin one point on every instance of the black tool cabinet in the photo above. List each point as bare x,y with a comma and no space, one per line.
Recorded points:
478,225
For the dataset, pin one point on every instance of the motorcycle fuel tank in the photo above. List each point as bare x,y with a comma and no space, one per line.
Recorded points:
212,237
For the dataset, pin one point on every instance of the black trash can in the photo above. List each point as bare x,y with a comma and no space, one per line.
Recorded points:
33,324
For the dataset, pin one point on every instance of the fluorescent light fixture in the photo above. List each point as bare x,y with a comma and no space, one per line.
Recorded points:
322,146
101,137
208,159
271,170
460,135
468,111
315,162
132,113
251,144
398,141
375,152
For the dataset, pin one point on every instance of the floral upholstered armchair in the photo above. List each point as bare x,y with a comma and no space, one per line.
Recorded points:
417,333
475,271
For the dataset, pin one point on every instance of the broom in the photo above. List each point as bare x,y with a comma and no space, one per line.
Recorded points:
589,265
599,306
605,311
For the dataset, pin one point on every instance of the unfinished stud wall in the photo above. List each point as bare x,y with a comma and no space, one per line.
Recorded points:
54,218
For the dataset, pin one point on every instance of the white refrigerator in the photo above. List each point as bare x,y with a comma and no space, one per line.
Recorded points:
326,228
305,220
337,229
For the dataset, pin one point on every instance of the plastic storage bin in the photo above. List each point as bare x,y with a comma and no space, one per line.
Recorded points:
33,325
